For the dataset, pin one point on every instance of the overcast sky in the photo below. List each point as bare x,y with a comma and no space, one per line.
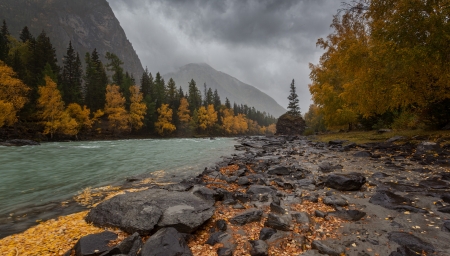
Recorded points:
265,43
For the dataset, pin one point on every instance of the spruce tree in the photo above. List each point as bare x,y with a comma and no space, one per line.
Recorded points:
194,97
71,77
25,35
4,42
293,107
216,99
96,81
227,103
146,83
159,94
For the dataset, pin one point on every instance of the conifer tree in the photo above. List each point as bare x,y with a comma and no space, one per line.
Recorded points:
227,103
71,77
159,94
146,83
195,97
4,42
25,35
216,99
96,81
293,107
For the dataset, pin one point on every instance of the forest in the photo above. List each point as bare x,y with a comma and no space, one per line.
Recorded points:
94,99
385,65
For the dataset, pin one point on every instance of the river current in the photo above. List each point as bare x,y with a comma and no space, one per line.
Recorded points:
35,175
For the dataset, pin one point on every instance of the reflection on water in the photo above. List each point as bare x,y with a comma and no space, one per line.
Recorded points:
55,171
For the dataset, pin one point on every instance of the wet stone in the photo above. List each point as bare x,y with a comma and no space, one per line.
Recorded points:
350,215
362,154
266,233
345,182
278,222
393,201
221,225
324,248
224,251
434,184
410,241
166,241
247,217
217,237
445,209
259,248
243,181
327,167
277,208
94,244
335,201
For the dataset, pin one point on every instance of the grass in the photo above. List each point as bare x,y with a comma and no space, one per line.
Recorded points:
372,136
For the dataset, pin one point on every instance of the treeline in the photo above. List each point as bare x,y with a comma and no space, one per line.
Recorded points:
104,99
386,65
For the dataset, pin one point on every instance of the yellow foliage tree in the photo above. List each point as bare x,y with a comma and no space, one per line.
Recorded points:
55,119
184,114
81,116
227,121
137,108
13,94
207,117
115,109
234,124
271,129
164,124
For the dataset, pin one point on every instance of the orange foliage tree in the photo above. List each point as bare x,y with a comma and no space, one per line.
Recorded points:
115,109
137,108
207,117
13,94
164,124
184,114
81,116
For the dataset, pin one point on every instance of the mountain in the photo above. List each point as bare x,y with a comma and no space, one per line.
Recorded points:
88,24
226,85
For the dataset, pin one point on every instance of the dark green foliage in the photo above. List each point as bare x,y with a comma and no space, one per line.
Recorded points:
146,83
25,35
194,97
96,81
115,65
227,103
216,99
71,78
4,42
293,107
159,94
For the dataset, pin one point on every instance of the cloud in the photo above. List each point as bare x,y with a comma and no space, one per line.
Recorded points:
265,43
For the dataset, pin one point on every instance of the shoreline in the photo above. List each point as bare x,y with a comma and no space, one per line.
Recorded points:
302,183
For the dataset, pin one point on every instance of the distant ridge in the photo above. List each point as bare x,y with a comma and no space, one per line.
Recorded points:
227,87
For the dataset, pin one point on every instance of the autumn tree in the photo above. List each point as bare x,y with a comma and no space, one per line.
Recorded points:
207,117
164,124
183,115
81,115
13,95
293,107
115,109
137,108
51,106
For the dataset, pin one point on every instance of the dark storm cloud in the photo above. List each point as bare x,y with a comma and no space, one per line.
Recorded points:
265,43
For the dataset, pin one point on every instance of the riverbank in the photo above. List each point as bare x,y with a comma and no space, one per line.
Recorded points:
287,196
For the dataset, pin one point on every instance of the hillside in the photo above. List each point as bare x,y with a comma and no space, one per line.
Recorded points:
88,24
227,87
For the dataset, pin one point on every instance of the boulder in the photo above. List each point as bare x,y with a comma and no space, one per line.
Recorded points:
278,170
326,167
335,201
259,248
224,251
221,225
247,217
288,124
260,189
325,248
394,139
279,222
129,246
266,233
95,244
217,237
345,182
362,154
143,211
412,242
167,242
393,201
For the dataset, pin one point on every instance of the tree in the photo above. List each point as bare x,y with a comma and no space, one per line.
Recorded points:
164,124
13,95
293,107
172,94
72,77
207,117
216,99
183,114
146,83
55,119
115,65
96,81
25,35
80,115
4,42
115,109
137,108
227,103
159,94
194,97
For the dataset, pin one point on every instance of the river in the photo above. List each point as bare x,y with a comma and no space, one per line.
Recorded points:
35,175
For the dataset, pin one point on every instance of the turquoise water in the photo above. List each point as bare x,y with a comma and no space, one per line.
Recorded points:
34,175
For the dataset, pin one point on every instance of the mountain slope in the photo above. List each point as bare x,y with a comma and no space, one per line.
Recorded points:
88,24
226,85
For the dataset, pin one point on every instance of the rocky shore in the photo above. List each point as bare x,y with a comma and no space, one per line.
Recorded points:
288,196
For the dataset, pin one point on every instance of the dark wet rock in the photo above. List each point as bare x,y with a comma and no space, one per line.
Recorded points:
446,226
142,211
421,170
350,215
404,251
95,244
445,209
324,248
205,193
426,146
336,142
241,172
221,225
224,251
380,175
129,246
180,187
217,237
279,222
288,124
266,233
349,146
434,184
278,170
168,242
393,201
243,181
335,201
253,144
231,179
394,139
259,248
19,142
301,217
326,167
247,217
445,176
446,198
404,187
362,154
277,208
241,197
345,182
412,242
312,198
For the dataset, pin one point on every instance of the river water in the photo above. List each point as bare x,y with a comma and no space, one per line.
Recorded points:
35,175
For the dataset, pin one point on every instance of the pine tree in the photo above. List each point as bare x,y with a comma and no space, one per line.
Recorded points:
71,77
25,35
146,83
195,97
4,42
159,94
96,81
293,107
227,103
216,100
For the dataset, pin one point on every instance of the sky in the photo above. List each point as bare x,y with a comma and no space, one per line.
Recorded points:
264,43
